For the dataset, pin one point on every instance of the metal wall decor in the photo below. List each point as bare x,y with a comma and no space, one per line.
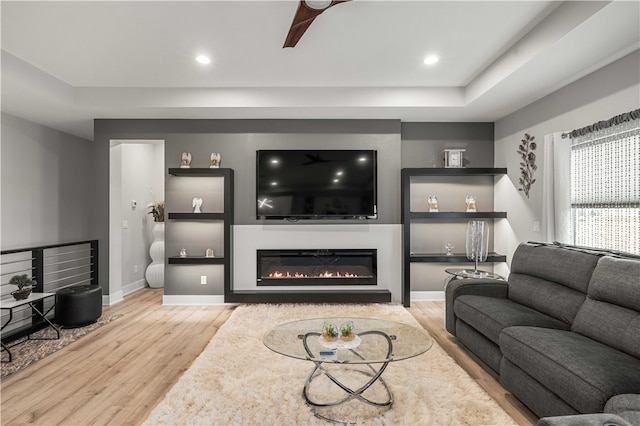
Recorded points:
527,163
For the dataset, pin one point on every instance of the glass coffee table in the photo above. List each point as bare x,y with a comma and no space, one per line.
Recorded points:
374,345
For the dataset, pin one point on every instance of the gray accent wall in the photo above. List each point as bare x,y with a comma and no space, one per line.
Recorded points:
47,185
398,144
423,144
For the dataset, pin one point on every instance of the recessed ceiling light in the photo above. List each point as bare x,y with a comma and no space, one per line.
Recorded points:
431,59
203,59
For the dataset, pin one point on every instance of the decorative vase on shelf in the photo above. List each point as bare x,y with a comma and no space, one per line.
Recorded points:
155,270
477,244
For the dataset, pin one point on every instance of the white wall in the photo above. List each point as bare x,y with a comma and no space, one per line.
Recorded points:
47,185
608,92
137,172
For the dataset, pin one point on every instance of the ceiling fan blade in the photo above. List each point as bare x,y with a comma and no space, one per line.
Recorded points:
302,20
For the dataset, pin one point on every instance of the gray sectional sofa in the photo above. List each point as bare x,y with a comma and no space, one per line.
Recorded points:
563,333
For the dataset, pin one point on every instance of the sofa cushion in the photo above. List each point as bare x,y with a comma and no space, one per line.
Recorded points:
551,279
610,324
490,315
581,371
570,268
611,313
616,281
553,299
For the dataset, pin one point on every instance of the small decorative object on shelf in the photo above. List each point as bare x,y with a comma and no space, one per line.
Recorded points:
185,162
449,247
183,252
471,203
347,331
329,332
209,253
215,161
25,285
453,157
196,204
433,203
477,242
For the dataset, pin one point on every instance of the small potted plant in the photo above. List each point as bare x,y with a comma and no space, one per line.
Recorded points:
329,332
24,283
346,331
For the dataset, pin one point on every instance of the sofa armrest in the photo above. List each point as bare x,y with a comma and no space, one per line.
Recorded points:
473,286
597,419
623,402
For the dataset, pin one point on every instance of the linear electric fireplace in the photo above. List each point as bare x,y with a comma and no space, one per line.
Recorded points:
317,267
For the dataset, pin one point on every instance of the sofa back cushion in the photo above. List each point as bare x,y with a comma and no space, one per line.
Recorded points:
551,279
611,313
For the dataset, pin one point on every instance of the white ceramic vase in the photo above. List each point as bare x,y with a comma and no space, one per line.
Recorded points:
155,270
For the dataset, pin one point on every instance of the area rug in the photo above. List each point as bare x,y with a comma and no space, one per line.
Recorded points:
25,354
236,380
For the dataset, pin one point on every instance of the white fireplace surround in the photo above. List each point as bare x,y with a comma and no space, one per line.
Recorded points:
387,239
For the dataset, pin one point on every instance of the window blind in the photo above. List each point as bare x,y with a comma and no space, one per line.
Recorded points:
605,188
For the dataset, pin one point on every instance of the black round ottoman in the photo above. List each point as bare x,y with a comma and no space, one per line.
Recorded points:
78,305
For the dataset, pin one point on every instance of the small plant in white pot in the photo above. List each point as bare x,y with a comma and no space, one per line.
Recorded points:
25,285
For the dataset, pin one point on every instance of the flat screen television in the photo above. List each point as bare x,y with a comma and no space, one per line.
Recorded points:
316,184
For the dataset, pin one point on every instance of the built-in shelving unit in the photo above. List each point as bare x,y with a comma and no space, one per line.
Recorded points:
207,227
411,216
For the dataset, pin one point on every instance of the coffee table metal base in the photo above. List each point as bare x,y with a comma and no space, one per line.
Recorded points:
374,376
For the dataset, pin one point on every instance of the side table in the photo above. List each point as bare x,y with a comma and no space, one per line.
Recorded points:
10,305
460,273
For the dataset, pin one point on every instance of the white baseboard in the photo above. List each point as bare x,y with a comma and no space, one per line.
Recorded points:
427,296
112,299
177,300
133,287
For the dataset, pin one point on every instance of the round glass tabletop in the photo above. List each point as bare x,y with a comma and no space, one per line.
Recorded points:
371,345
470,273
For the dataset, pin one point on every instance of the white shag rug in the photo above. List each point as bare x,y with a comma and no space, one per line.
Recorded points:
238,381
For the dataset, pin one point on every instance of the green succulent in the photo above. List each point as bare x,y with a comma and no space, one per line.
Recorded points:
330,330
346,329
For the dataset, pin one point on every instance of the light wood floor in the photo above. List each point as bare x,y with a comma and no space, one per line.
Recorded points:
118,373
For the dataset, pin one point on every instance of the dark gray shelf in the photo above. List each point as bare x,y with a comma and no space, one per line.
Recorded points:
210,221
199,172
195,260
458,215
454,258
456,171
197,216
408,217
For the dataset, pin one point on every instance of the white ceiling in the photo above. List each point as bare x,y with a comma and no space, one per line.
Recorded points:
66,63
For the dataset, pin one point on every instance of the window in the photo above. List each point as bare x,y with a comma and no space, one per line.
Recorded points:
605,188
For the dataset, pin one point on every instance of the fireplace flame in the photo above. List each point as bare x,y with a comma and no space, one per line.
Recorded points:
325,274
